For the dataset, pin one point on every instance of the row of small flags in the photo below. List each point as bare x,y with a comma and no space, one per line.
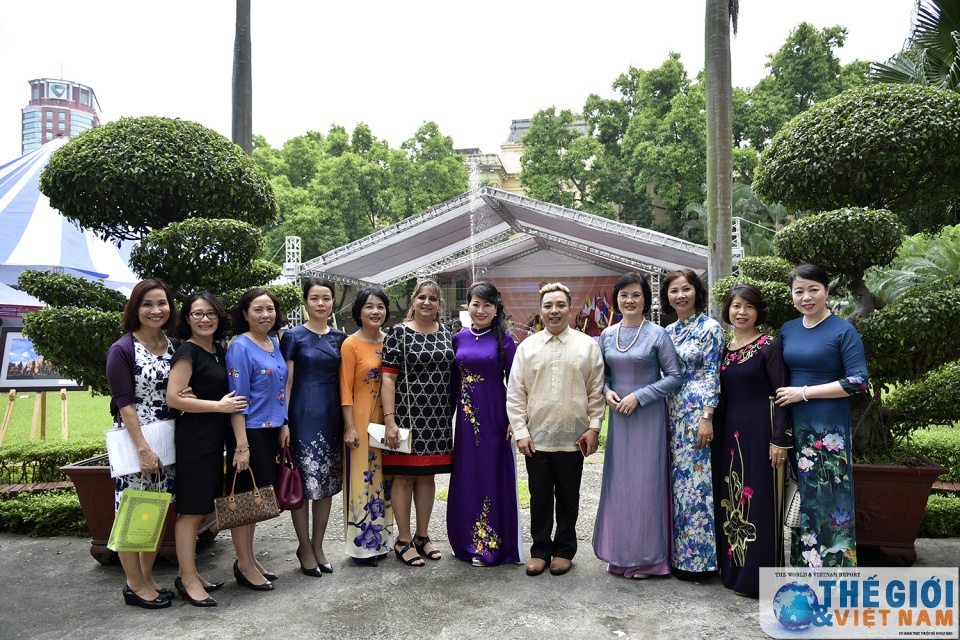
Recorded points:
599,311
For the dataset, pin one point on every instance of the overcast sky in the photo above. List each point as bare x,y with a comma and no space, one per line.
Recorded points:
471,67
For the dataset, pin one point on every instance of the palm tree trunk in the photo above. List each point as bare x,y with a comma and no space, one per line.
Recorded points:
719,86
242,132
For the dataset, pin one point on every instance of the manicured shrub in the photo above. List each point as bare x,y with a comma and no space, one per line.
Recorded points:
41,461
941,518
51,513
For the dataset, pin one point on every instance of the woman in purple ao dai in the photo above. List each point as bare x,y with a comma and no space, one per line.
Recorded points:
483,513
632,531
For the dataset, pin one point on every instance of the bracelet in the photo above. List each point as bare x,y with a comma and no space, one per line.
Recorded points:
390,414
706,416
244,450
803,393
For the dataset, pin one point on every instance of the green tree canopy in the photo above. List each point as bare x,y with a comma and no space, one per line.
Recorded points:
891,147
128,177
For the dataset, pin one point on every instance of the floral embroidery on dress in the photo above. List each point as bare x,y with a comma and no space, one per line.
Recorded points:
467,380
364,514
485,540
744,353
737,527
824,457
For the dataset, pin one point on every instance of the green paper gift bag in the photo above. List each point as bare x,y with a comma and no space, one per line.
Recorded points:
138,524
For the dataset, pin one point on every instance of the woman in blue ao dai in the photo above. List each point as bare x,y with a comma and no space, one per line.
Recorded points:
699,342
632,530
483,512
312,354
827,365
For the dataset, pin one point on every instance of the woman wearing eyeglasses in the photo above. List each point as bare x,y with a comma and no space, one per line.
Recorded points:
641,369
201,431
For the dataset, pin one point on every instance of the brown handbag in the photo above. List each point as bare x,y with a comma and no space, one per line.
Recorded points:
240,509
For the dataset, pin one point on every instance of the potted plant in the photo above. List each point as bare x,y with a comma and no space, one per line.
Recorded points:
876,161
164,182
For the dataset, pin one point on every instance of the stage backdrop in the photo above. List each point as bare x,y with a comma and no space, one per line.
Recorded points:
591,307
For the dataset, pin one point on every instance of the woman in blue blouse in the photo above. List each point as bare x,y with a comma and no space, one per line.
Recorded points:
256,371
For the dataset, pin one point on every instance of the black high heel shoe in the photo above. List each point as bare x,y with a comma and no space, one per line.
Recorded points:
405,546
132,599
316,572
269,575
420,543
243,582
213,586
206,602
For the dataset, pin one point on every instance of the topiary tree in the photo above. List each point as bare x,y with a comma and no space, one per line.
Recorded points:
895,148
165,181
128,177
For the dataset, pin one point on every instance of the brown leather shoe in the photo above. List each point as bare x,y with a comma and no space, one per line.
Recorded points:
536,566
560,566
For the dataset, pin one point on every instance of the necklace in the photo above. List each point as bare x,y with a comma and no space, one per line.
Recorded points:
265,345
632,342
319,332
825,316
477,335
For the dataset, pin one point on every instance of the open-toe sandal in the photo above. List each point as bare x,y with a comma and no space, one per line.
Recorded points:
420,542
404,547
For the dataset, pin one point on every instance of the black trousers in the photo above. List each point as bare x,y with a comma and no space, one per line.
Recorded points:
554,479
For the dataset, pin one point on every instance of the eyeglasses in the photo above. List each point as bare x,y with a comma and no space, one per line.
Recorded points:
200,315
636,296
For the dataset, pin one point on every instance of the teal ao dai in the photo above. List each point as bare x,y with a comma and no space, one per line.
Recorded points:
699,341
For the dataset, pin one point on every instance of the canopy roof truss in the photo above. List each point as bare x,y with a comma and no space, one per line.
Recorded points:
487,227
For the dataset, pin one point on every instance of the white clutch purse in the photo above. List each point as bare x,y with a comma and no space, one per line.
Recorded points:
376,433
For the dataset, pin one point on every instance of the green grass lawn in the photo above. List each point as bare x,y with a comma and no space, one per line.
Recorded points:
87,416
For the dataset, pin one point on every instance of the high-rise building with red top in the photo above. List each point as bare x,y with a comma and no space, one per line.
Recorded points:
57,109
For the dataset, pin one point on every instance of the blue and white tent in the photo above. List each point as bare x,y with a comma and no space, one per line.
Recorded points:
33,235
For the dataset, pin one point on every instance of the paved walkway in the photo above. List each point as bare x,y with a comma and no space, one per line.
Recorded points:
52,588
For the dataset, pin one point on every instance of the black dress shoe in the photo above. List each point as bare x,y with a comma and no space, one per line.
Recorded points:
243,582
134,600
270,575
316,572
206,602
213,586
326,568
368,562
166,593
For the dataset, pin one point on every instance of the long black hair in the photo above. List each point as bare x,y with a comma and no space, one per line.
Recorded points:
487,292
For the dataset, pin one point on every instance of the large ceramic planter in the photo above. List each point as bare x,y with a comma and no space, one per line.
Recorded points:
890,501
94,486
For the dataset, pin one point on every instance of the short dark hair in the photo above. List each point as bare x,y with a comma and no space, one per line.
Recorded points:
223,318
362,296
700,303
310,283
240,323
810,271
131,313
633,278
750,294
553,287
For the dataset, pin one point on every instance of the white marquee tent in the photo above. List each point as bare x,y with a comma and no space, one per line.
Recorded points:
33,235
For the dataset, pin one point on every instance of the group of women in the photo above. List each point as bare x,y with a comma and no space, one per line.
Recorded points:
316,390
700,428
712,482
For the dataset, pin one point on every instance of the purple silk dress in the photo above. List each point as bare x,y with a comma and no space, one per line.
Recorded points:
632,531
483,512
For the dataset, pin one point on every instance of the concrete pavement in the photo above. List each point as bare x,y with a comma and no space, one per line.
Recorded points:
51,588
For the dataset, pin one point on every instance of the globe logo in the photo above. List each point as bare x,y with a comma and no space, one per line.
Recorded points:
794,605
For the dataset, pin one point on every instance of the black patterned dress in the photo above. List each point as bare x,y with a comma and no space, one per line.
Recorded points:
422,363
151,374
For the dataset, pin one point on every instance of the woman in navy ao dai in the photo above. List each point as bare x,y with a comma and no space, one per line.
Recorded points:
312,354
